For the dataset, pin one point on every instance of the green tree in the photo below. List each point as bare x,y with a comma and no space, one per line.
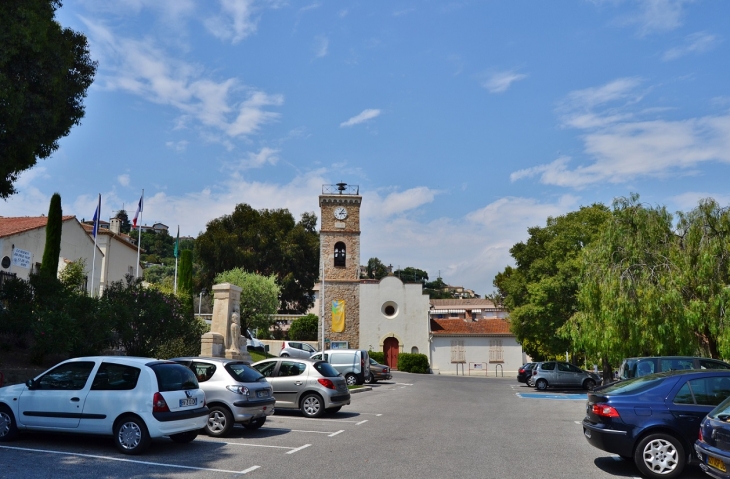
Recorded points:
376,269
45,71
74,275
269,242
411,274
259,298
540,292
436,289
185,273
304,328
54,227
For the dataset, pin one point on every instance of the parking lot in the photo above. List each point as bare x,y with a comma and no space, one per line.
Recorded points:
414,426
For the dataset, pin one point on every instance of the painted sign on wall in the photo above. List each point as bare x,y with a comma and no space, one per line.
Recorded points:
338,315
21,258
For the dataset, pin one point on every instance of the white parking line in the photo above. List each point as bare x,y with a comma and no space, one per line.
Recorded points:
370,414
261,445
361,422
300,430
404,384
146,463
336,433
312,419
298,449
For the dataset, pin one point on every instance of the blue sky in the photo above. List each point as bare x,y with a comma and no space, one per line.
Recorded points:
463,122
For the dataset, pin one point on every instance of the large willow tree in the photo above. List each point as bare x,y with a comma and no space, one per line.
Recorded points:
650,287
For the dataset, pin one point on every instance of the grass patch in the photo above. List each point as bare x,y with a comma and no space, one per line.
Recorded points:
258,356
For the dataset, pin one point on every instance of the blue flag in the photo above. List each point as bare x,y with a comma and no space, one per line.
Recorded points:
97,218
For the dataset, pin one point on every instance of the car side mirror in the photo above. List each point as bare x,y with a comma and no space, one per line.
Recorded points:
30,384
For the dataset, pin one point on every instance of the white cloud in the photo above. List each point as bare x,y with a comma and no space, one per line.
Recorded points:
363,116
398,202
256,160
235,21
622,146
657,16
690,199
123,180
695,43
177,146
321,44
140,68
501,81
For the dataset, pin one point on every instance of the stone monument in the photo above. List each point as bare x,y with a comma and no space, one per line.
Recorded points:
224,338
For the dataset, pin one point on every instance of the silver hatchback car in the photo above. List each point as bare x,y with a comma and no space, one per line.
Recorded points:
314,387
234,393
559,373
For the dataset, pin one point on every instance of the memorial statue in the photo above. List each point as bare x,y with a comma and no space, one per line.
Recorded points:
235,336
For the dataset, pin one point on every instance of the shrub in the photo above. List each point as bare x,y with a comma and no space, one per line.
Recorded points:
378,356
304,328
413,363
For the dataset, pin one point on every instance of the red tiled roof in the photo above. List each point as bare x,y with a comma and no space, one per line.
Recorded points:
13,225
462,303
123,238
451,327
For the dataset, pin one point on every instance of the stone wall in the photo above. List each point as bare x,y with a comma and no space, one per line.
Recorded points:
350,292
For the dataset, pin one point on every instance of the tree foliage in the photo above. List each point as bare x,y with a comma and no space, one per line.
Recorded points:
269,242
540,292
185,273
304,328
259,298
52,249
45,71
376,269
126,225
411,274
74,275
436,289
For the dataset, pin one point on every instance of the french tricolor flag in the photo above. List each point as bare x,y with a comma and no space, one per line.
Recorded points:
139,210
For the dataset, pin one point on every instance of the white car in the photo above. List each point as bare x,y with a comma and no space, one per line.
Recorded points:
131,399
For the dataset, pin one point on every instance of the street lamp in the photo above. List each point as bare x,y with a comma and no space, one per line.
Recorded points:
200,301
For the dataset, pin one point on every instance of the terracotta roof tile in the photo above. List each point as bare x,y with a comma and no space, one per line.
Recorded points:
13,225
462,303
450,327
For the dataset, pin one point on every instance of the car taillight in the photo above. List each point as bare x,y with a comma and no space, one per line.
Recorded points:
521,371
604,410
159,404
326,383
243,390
534,372
701,438
385,370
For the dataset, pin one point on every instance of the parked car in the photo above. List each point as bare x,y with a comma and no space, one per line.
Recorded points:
713,445
254,343
633,367
296,349
654,420
378,372
353,364
525,373
234,393
314,387
561,374
131,399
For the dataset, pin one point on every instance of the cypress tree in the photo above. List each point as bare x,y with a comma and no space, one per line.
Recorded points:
52,250
185,279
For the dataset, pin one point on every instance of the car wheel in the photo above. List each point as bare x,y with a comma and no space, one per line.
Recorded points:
660,456
131,436
589,384
312,405
220,421
184,437
371,379
351,379
284,355
8,428
255,423
541,384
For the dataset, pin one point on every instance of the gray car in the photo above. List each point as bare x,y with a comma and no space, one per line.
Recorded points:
296,349
234,393
314,387
560,374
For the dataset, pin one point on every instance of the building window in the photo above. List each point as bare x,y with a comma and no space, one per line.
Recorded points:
414,350
496,352
458,353
340,253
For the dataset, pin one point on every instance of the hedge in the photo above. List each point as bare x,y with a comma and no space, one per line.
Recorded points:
378,356
413,363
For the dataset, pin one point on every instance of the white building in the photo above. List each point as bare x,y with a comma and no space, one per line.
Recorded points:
120,254
393,318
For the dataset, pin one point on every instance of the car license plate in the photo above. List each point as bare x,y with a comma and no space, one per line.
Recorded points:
716,463
262,394
587,433
188,402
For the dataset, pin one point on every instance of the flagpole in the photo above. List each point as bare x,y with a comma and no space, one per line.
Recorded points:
177,246
95,230
139,231
321,296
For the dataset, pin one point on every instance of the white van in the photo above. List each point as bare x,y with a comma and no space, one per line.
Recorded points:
354,364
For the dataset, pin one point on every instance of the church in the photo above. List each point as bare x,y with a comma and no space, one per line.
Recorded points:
388,315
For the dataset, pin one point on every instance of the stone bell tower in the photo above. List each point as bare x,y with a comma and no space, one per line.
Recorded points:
339,237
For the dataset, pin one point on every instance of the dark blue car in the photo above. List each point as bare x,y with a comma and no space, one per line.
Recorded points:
713,445
654,420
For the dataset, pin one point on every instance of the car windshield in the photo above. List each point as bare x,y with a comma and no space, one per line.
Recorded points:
243,373
326,369
372,361
722,411
632,386
174,377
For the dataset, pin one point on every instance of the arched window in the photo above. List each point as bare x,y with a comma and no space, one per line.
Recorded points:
340,254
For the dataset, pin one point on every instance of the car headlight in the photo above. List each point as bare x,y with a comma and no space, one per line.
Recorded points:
242,390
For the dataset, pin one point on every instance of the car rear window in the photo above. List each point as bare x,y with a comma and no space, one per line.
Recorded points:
115,377
243,373
326,369
632,386
174,377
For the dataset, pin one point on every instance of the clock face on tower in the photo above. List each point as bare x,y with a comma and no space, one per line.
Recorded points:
340,213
